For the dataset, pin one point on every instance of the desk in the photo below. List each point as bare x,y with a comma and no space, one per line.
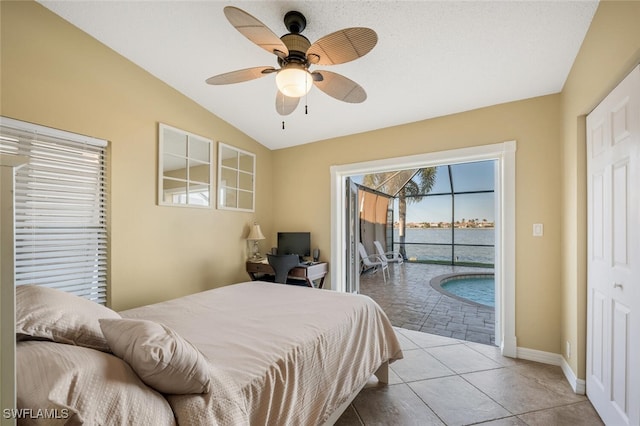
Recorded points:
309,273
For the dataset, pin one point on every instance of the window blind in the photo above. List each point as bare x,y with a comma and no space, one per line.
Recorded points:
60,209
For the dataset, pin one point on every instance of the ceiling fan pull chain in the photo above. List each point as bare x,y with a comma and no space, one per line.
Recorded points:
306,95
283,125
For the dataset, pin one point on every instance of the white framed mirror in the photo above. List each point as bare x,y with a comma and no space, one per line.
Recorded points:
236,178
185,168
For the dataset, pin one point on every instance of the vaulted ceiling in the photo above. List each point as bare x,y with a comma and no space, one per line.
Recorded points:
432,58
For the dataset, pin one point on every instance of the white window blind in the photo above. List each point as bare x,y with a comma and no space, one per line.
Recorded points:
60,209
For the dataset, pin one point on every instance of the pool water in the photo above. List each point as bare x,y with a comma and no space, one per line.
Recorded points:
477,289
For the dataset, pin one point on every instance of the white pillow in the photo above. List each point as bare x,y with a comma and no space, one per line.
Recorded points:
83,386
47,313
162,358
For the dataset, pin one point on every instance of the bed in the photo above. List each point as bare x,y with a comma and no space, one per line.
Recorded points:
253,353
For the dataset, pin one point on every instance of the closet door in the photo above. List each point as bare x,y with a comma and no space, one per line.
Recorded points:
613,276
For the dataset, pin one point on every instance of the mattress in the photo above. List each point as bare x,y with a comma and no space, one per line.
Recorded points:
279,354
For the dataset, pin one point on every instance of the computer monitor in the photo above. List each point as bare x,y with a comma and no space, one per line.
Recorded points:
295,243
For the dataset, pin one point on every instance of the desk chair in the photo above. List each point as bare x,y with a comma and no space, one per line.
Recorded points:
282,264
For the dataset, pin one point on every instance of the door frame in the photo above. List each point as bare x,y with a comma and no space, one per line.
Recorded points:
505,226
351,230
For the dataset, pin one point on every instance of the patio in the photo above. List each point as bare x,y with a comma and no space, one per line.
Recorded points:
411,303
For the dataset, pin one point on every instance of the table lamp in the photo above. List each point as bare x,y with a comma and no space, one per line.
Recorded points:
255,234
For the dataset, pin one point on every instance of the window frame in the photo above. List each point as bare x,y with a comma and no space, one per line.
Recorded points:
60,220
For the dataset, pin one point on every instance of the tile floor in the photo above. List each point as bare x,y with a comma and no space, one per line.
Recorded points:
445,381
410,302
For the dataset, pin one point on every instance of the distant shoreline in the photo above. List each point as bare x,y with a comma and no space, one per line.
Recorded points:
447,225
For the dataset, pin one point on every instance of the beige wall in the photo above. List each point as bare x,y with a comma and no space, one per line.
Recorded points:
534,124
55,75
610,50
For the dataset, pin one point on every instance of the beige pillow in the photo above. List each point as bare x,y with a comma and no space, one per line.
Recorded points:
47,313
161,357
77,385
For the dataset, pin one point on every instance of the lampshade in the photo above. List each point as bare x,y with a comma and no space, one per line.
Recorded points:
255,233
294,81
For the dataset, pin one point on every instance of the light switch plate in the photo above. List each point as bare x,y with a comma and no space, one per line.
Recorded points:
538,230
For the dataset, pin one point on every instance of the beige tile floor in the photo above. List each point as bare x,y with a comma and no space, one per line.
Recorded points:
445,381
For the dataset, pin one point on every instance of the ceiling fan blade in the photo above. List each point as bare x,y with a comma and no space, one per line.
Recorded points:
240,75
340,87
342,46
256,31
285,105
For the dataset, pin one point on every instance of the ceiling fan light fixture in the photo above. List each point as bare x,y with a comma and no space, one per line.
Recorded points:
294,81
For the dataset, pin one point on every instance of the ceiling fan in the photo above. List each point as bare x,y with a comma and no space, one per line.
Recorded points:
296,55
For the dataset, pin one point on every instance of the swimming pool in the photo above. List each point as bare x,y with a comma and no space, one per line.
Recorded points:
474,288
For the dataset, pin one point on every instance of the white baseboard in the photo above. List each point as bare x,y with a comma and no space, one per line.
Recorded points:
539,356
578,385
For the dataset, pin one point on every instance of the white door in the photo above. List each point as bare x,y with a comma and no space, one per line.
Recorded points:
613,276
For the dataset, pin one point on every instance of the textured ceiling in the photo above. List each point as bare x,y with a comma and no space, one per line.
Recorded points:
432,58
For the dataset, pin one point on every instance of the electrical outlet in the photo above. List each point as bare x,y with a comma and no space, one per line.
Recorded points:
538,230
568,350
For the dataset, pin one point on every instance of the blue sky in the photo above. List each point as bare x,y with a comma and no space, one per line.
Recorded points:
438,208
477,176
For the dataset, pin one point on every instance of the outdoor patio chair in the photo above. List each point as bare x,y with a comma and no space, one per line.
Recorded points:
374,261
391,256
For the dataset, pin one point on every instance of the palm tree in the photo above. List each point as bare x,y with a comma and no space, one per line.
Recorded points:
409,186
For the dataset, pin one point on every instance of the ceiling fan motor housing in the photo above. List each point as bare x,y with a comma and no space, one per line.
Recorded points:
297,45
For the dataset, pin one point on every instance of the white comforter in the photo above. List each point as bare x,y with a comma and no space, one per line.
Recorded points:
281,355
